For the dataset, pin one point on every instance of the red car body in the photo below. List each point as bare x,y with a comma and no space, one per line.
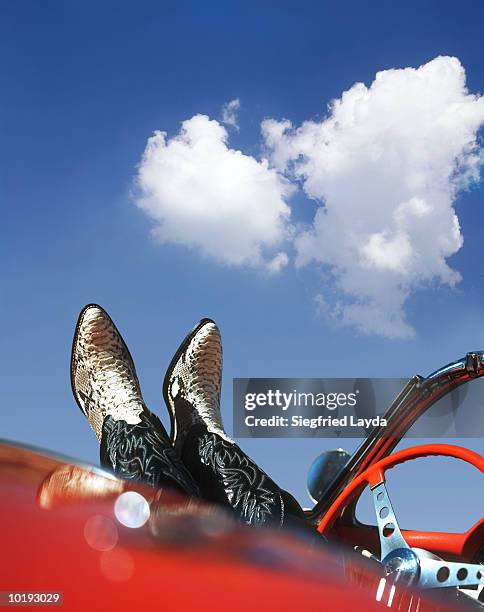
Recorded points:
61,533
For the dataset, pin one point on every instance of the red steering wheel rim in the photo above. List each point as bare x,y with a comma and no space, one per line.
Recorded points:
375,474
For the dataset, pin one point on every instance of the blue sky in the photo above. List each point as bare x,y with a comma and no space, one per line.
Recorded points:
83,88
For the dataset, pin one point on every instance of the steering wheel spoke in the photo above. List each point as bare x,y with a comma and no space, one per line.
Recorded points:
391,537
435,573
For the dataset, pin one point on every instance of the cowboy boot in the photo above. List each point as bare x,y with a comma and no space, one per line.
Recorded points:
134,443
223,472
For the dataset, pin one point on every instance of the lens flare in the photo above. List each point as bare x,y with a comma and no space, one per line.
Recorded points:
101,532
131,509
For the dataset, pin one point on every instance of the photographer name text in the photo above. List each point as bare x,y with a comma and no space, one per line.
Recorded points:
313,423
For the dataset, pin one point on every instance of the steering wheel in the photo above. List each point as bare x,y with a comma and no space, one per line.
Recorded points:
403,563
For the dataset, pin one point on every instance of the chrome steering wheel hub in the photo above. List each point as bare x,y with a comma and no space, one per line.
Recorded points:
402,565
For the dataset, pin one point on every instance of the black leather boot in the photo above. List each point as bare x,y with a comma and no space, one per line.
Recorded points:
134,443
223,472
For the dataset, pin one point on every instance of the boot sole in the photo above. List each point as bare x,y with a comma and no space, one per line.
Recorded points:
166,382
74,342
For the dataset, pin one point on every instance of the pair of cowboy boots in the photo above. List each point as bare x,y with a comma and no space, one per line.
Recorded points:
198,458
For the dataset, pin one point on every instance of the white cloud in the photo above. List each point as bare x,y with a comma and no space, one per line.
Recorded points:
229,113
203,194
278,262
386,166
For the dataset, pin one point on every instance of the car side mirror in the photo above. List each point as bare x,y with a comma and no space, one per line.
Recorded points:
324,470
